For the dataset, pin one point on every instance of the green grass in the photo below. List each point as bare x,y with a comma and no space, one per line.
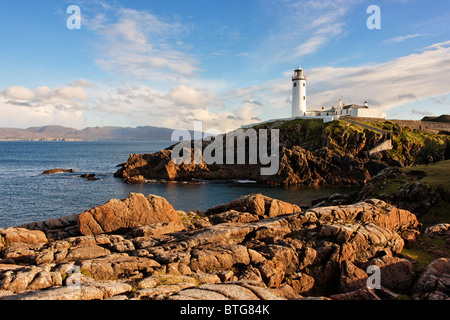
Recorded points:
390,188
307,123
190,219
422,252
439,213
338,133
422,257
405,140
437,177
437,174
337,127
387,125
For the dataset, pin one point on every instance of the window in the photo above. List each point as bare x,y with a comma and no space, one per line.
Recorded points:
304,98
304,84
295,84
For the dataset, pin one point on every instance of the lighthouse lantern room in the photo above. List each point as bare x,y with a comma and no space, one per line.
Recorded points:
299,93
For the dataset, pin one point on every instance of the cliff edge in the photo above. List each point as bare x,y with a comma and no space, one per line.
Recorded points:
310,153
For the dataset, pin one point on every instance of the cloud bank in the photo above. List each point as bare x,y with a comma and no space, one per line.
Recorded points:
24,107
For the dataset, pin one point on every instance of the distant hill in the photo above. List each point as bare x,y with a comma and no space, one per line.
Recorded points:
53,132
443,118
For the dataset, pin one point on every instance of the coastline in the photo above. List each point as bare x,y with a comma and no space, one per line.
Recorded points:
253,247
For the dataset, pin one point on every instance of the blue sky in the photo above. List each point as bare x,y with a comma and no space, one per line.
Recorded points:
227,63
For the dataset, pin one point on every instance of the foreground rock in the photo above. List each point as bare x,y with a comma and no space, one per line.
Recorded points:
259,205
434,283
252,248
125,214
114,216
13,235
439,231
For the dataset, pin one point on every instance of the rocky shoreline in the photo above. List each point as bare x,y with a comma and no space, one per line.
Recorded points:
310,153
253,248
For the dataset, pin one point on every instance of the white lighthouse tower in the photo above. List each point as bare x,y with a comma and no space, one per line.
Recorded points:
299,93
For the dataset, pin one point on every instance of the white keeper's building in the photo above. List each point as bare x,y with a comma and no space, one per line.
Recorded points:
299,103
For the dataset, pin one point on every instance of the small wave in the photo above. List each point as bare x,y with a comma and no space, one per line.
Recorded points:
246,181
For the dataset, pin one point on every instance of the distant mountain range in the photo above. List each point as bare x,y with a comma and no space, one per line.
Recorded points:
60,133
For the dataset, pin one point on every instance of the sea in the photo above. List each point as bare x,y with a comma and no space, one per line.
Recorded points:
26,195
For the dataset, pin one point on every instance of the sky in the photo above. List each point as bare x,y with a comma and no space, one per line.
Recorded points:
226,63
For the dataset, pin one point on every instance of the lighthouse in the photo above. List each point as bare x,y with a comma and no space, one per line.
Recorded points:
299,93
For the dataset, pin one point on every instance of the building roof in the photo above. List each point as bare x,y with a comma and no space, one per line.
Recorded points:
346,107
322,110
354,106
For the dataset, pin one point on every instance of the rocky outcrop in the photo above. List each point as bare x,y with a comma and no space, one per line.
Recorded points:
297,166
125,214
310,153
413,195
21,235
258,205
434,283
439,231
276,251
57,228
114,216
406,189
53,171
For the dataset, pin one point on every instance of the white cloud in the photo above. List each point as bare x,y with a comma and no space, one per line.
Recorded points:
43,92
400,39
174,108
83,83
22,116
44,95
302,28
71,93
24,107
190,97
141,45
385,85
18,93
310,46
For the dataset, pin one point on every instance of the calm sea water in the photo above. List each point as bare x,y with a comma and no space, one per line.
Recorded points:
26,195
